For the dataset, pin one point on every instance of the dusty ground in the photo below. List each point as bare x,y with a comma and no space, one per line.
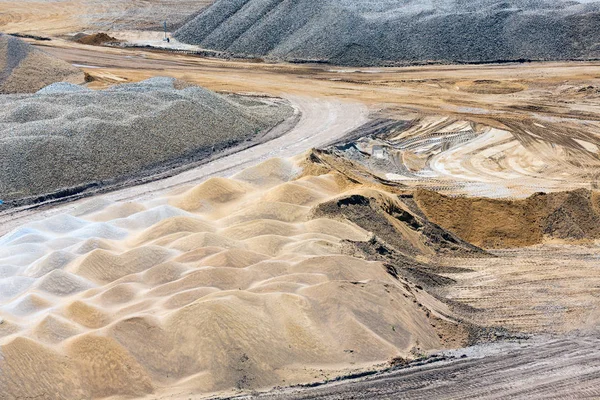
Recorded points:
565,368
525,110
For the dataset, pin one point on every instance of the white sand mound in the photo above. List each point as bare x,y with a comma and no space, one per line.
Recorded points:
235,292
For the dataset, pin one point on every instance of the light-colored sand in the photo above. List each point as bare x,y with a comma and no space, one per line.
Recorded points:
228,285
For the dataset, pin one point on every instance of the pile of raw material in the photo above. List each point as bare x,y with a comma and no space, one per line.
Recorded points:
495,223
349,32
96,39
66,135
25,69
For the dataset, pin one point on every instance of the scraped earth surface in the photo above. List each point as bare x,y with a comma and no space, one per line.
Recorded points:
563,367
512,158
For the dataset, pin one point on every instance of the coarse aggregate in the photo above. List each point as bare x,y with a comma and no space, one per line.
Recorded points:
387,32
67,135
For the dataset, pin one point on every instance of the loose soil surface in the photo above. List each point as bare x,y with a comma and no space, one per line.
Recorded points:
555,369
119,280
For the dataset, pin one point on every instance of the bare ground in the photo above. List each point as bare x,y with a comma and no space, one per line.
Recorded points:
561,368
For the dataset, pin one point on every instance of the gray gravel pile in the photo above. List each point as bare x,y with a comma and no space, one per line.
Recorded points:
66,136
350,32
25,69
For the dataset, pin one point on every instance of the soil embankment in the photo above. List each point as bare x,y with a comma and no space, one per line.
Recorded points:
496,223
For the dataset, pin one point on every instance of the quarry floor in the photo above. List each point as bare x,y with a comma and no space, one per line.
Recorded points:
562,280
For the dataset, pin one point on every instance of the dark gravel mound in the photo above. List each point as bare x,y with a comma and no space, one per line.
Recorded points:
66,136
349,32
25,69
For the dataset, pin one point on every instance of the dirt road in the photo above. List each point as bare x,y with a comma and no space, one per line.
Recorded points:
322,120
564,368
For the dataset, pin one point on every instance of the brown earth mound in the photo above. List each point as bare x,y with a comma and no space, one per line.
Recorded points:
492,223
96,39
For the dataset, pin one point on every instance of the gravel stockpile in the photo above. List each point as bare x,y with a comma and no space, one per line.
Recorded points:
66,136
349,32
25,69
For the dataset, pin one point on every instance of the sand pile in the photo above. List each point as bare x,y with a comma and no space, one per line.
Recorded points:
237,283
96,39
67,136
493,223
387,32
24,69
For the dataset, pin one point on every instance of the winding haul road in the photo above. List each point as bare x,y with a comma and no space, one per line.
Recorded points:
322,120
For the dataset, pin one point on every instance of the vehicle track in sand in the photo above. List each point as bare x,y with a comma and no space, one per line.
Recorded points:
322,121
550,369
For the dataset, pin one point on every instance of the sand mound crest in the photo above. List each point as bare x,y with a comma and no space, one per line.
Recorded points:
61,283
293,193
54,329
86,315
284,212
268,244
259,228
107,369
56,260
31,370
27,305
234,258
214,190
204,239
118,294
269,173
173,225
103,267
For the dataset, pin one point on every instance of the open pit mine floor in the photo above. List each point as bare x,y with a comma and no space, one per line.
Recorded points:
415,228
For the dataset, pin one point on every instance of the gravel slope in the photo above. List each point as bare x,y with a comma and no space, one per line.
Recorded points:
386,32
66,135
25,69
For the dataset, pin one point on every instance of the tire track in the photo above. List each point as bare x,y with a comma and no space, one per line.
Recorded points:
560,368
